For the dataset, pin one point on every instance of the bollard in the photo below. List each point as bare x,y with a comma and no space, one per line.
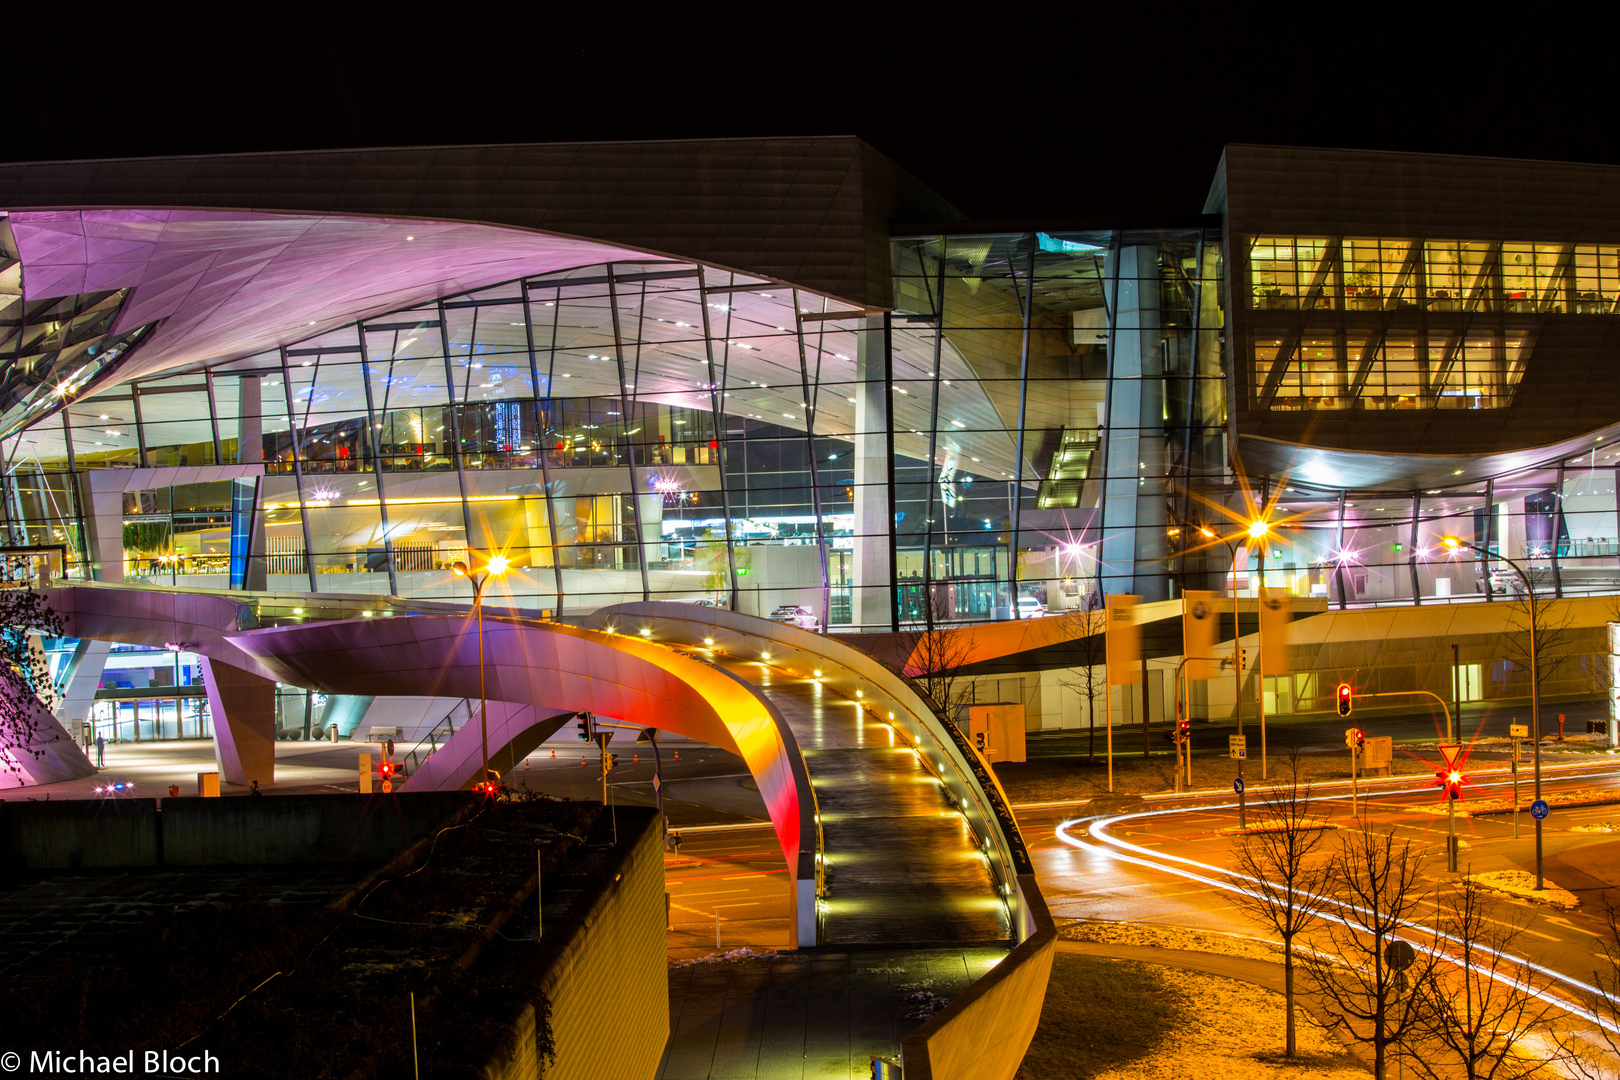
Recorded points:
1560,727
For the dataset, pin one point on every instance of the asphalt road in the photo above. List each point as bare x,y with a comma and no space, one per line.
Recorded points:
1170,872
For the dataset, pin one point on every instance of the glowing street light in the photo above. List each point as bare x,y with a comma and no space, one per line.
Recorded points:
1455,545
496,566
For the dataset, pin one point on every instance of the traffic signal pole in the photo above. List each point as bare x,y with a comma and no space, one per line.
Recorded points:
1185,742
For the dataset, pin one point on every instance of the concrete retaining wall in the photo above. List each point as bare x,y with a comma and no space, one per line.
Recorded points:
336,828
78,835
614,961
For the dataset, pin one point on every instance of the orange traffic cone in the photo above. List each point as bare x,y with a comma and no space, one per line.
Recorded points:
635,759
553,753
677,755
582,762
525,763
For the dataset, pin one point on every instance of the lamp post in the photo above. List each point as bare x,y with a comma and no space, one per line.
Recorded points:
1255,530
1454,544
494,567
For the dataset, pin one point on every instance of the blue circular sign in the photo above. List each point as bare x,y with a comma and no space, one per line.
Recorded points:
1539,809
1237,785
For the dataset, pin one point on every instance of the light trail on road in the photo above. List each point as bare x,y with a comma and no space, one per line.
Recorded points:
1110,846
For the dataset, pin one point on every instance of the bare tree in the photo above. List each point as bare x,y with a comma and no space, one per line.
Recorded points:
1084,653
1285,877
1598,1057
1373,885
1485,1012
25,674
1556,634
935,659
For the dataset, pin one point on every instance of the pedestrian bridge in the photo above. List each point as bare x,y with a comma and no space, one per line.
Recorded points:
893,828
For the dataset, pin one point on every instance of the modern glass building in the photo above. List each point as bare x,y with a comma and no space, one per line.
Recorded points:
755,373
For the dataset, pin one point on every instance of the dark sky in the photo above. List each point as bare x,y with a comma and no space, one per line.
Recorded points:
1073,117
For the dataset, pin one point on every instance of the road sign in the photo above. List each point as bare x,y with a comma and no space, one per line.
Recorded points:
1539,809
1237,746
603,738
1451,754
657,783
1237,785
1518,731
1399,955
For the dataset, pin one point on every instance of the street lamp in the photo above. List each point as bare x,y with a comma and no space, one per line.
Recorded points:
495,567
1454,545
1256,530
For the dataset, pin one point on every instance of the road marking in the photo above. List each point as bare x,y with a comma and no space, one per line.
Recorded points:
1571,926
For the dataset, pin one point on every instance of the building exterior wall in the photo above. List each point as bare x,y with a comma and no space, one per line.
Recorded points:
609,984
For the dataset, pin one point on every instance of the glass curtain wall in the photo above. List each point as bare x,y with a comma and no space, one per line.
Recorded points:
665,430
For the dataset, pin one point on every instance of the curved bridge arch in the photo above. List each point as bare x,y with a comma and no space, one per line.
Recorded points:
545,672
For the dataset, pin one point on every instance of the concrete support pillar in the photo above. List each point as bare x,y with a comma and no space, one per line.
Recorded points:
50,755
1134,541
873,599
102,495
650,520
81,681
244,709
250,421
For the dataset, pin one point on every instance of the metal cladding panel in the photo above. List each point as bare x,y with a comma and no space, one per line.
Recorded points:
1310,192
811,211
1566,388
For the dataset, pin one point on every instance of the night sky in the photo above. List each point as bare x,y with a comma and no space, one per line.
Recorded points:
1070,117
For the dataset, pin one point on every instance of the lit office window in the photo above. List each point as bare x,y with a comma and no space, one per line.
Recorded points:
1533,277
1379,274
1597,279
1290,272
1457,275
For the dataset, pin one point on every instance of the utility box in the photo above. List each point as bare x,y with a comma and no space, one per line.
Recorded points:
208,785
996,729
1377,755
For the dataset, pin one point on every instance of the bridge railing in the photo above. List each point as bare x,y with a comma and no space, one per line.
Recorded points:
985,1031
891,697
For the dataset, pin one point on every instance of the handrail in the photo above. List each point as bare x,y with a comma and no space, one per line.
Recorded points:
433,732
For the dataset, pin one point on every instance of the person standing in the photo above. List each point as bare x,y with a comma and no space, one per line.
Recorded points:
101,749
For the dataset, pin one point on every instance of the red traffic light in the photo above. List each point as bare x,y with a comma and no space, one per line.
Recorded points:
1343,699
1450,782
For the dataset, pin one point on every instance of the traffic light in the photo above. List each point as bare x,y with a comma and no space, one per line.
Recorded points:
609,762
584,727
1450,781
1361,738
978,741
1343,698
1354,738
1183,730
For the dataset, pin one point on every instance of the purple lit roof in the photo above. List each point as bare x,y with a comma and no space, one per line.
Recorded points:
231,283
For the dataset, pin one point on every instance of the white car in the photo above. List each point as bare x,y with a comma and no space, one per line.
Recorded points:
1030,608
798,616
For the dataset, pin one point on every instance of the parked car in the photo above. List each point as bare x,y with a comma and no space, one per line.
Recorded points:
705,602
799,616
1030,608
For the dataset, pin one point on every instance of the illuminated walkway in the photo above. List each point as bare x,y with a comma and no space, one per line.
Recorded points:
901,867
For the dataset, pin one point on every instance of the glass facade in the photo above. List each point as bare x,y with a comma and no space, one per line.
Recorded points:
671,431
1039,418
